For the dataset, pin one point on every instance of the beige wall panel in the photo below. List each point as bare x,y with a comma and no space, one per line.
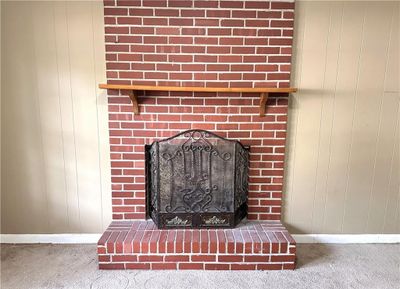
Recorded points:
51,134
45,62
392,95
83,82
387,136
343,116
370,80
314,53
23,192
392,210
294,111
67,115
392,81
355,187
102,111
383,186
326,115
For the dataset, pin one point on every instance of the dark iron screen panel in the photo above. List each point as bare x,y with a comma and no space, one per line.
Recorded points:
196,179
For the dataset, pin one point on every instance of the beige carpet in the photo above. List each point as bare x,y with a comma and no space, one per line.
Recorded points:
319,266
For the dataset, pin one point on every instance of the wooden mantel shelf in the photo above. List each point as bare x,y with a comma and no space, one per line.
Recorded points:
263,91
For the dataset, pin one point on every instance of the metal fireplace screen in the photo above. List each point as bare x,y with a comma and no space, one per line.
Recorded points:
196,179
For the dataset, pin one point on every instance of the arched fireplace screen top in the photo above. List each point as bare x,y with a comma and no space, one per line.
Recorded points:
196,179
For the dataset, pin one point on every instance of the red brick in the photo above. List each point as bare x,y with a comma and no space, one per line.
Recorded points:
243,266
256,23
141,12
124,258
129,20
207,22
142,30
193,49
205,58
177,258
181,21
101,250
115,11
203,258
243,50
180,58
269,266
232,23
192,13
139,266
205,41
117,48
282,5
231,4
219,13
282,258
206,4
163,266
281,41
216,266
257,4
230,258
155,39
288,14
254,58
205,126
289,266
231,41
166,12
190,266
256,258
150,258
112,266
244,13
103,258
244,32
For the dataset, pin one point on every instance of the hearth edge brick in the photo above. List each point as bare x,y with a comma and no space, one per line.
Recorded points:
274,250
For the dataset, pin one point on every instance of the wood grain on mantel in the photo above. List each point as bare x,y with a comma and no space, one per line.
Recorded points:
263,91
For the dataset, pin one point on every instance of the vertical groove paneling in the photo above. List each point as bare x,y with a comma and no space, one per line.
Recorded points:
314,54
83,83
346,130
293,117
50,114
23,191
102,111
54,129
370,86
67,114
332,55
391,219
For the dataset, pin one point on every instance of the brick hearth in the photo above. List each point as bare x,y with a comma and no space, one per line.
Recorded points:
251,246
213,43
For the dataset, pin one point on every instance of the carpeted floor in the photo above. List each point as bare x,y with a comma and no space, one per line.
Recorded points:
319,266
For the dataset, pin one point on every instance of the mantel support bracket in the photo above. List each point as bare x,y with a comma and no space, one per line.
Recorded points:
133,97
263,102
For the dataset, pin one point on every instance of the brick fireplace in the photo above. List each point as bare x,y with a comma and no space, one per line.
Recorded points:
193,43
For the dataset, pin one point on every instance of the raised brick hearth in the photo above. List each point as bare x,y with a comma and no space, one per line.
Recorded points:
251,246
213,43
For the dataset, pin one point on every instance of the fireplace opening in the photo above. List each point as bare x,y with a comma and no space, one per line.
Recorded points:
196,179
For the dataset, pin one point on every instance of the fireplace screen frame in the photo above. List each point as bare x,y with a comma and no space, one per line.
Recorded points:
195,171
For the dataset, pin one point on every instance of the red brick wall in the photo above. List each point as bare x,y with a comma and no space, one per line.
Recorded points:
198,43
